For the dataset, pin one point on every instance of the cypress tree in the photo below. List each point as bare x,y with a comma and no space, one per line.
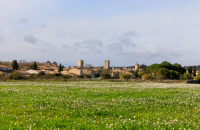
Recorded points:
60,68
15,65
34,66
194,71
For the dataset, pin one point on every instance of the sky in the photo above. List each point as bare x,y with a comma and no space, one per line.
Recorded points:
122,31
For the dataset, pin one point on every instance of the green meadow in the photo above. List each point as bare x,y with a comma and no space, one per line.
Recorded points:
99,105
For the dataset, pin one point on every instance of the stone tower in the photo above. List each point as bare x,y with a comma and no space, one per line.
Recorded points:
106,64
136,66
80,63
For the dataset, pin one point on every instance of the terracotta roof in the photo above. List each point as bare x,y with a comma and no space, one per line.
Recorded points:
4,66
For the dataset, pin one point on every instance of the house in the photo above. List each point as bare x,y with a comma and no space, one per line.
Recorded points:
93,74
113,74
197,72
76,71
5,70
4,67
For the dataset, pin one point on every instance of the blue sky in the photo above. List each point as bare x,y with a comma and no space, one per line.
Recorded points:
124,32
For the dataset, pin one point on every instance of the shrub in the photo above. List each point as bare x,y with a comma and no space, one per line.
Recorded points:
41,73
3,77
87,76
147,77
57,74
15,75
186,76
124,76
33,75
67,76
197,78
81,76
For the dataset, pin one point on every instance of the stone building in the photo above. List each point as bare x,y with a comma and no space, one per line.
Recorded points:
136,66
54,64
48,63
80,63
106,64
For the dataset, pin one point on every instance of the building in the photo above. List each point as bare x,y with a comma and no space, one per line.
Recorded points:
5,70
136,66
76,71
3,67
48,63
106,64
80,63
54,64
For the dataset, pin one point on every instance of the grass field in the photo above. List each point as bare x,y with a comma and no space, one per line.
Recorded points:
99,105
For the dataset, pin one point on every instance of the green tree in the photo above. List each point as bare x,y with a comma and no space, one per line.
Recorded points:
34,66
124,76
60,68
15,75
142,66
105,74
194,71
186,76
15,65
189,69
174,74
163,73
177,67
197,78
155,67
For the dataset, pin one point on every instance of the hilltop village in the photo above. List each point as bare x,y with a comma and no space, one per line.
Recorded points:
164,70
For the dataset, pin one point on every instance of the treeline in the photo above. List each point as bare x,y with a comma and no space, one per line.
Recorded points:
22,64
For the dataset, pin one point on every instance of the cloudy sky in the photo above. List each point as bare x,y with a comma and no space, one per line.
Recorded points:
122,31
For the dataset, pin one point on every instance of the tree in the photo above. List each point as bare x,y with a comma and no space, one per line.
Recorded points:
15,75
189,69
60,68
105,74
163,73
15,65
186,76
88,65
124,76
177,67
194,71
147,77
155,67
142,66
34,66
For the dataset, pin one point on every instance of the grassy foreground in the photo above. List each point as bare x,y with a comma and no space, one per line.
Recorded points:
99,105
